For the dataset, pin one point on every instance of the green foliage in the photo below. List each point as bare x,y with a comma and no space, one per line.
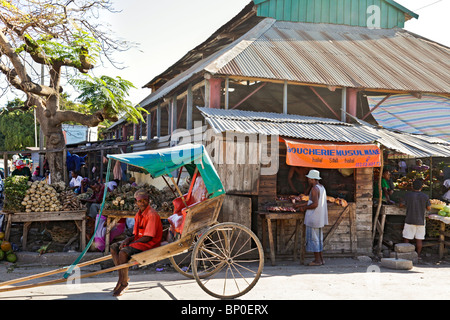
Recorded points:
15,190
55,50
16,128
109,94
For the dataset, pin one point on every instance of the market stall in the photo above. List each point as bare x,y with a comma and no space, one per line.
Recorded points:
437,224
27,202
347,174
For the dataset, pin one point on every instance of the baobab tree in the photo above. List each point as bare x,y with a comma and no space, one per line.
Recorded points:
66,37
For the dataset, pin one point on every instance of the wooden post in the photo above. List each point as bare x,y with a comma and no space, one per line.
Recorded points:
227,93
189,107
65,173
352,101
5,163
344,105
158,121
173,115
380,197
215,88
285,98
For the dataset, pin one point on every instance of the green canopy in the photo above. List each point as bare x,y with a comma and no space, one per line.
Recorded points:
165,161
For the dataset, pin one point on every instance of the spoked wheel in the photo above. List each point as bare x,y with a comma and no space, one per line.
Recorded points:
227,260
183,262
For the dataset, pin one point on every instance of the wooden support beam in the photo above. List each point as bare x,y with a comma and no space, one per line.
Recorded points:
377,106
324,102
251,94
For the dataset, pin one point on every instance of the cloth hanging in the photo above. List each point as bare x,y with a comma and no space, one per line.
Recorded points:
117,171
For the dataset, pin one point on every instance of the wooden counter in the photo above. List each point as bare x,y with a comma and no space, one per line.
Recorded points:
79,217
392,210
299,232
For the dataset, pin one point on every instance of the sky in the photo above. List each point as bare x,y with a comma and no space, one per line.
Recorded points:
167,30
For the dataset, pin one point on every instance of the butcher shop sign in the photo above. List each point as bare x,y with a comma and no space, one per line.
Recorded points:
336,156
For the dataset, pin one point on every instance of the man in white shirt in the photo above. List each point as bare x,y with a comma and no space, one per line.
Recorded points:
316,217
75,183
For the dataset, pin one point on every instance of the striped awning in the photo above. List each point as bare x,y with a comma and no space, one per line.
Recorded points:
429,115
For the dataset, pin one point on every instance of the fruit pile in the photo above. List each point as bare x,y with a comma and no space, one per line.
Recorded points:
6,251
41,197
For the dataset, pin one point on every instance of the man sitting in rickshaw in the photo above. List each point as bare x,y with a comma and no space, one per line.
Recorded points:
147,234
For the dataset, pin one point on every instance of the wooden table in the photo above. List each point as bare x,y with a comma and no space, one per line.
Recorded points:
29,217
112,218
443,221
392,210
299,217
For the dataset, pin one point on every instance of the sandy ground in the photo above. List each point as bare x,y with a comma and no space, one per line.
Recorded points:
343,278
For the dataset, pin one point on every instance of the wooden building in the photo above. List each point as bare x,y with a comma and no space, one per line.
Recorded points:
297,59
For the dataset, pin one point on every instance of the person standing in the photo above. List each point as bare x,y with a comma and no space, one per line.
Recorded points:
316,217
416,203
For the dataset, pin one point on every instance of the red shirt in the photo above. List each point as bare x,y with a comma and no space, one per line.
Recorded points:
147,223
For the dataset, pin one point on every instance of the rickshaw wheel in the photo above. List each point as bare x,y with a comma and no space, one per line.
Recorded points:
182,263
234,258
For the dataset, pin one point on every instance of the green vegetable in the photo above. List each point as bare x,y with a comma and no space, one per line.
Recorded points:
15,189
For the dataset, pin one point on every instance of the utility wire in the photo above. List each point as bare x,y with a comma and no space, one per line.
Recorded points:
429,5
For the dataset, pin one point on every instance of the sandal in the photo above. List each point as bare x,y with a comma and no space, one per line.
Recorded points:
314,264
121,290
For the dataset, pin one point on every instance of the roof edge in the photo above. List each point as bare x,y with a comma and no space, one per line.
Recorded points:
402,8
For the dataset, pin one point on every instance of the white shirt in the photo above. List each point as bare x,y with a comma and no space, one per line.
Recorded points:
75,182
318,217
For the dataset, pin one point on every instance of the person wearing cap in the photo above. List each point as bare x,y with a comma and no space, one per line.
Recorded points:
147,234
21,170
316,217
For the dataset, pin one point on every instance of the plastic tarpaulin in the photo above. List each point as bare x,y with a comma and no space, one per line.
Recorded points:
429,115
165,161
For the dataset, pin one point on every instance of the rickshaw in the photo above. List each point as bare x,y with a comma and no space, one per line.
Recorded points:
226,259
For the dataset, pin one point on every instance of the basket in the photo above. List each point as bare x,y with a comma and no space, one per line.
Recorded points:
62,234
432,228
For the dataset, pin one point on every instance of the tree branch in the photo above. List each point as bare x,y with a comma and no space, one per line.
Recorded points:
18,76
90,120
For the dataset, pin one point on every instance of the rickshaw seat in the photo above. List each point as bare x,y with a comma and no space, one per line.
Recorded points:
197,193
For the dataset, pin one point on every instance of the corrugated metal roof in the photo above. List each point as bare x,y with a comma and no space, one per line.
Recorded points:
328,54
419,146
338,55
322,129
286,125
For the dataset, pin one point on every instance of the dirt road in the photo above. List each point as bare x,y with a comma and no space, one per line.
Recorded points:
338,279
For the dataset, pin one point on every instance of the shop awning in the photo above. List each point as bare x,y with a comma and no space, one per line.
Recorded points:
332,155
428,115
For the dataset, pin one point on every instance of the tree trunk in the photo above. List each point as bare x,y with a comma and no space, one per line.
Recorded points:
54,137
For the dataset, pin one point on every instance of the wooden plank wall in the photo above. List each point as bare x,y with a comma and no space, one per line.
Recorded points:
236,158
364,207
